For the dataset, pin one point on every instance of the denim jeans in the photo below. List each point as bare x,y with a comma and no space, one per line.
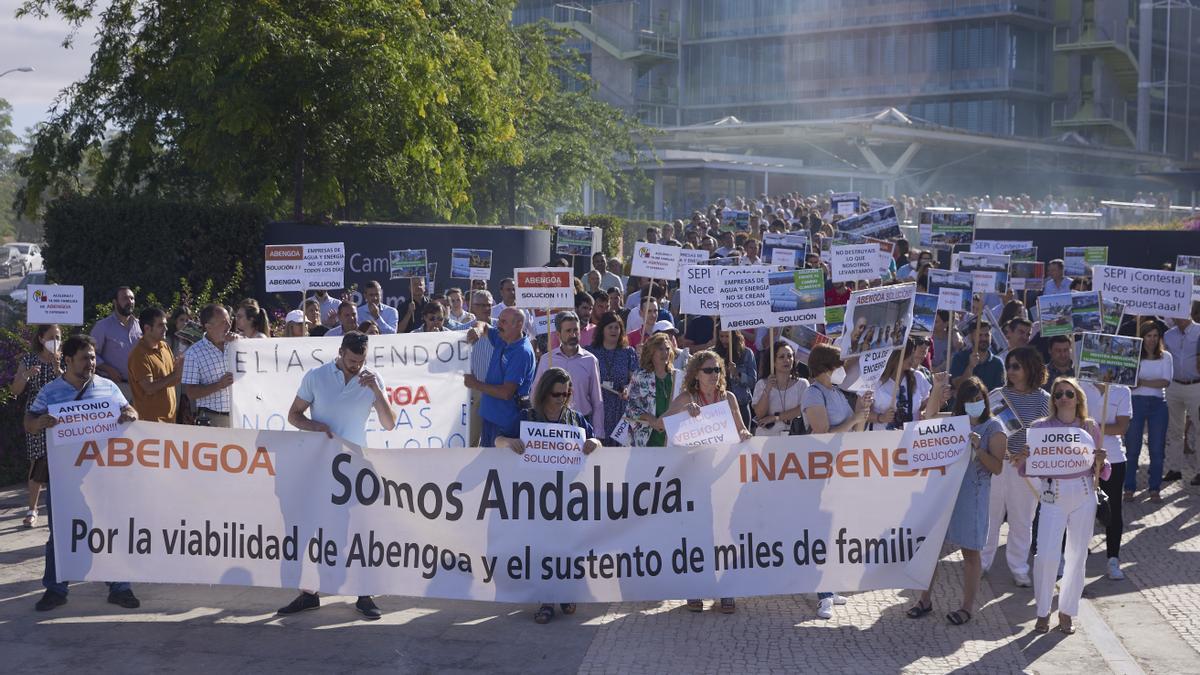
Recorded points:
1148,412
50,575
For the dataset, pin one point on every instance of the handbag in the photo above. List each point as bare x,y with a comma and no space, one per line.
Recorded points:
1103,509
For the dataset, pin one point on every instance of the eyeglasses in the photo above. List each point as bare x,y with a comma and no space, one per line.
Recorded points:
711,370
1067,392
1013,366
560,394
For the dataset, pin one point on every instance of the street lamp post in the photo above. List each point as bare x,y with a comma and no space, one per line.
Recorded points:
22,69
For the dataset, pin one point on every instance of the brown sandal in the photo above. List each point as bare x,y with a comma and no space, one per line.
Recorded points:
1065,625
1042,625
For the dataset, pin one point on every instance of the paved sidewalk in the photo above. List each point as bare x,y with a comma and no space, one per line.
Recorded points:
1148,623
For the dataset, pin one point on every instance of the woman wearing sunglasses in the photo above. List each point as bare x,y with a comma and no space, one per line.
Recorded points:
1068,504
551,403
826,410
1010,493
704,384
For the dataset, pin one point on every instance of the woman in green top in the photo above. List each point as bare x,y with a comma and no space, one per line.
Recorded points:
651,391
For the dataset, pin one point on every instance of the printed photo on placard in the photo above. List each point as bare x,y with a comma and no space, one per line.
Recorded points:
878,318
924,313
470,263
946,229
1112,359
1054,311
1026,276
805,339
410,263
1002,411
573,240
955,281
1078,261
1112,312
879,224
1085,312
835,321
993,266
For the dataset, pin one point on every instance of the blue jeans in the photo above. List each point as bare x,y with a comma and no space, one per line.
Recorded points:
1147,411
50,575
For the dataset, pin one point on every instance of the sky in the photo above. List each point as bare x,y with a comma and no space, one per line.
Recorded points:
38,43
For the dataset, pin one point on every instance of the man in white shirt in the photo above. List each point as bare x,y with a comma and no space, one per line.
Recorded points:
1057,282
1183,394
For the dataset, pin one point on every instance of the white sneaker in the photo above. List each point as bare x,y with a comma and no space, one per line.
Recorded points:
1022,580
825,609
1114,570
838,599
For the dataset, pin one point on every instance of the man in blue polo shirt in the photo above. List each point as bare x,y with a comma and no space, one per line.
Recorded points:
338,398
509,376
79,382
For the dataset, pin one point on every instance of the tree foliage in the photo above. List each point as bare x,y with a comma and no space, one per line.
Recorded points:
316,101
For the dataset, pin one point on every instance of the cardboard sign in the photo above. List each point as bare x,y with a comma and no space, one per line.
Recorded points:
880,224
1114,359
1026,276
856,262
1054,312
1191,265
997,246
787,257
1078,261
410,263
544,287
301,267
689,257
54,304
573,240
878,318
952,288
835,321
941,441
745,296
656,261
698,291
845,203
797,297
925,309
89,419
1058,451
1146,292
552,446
989,270
470,263
713,426
945,228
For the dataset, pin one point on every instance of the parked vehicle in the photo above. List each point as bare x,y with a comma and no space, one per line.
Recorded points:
12,264
21,292
29,254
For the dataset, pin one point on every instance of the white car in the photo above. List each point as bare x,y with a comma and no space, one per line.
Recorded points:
30,256
21,292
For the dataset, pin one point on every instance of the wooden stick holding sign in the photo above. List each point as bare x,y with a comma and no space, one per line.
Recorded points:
950,328
646,324
1101,420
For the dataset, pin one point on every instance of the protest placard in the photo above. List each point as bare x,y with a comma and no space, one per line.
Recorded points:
713,426
62,305
941,441
854,262
573,240
1078,261
699,290
1111,312
552,446
845,203
544,287
1085,312
797,297
1026,276
945,229
835,321
999,246
1058,451
285,509
1054,312
797,241
1004,412
1146,292
880,224
952,288
1191,265
864,371
301,267
880,318
745,296
89,419
1112,359
803,339
925,308
470,263
787,257
989,270
410,263
735,221
689,257
655,261
1022,255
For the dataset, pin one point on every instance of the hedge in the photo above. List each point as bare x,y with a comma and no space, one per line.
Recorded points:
150,245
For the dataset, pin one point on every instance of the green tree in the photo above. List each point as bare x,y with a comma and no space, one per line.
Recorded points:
566,138
8,177
300,107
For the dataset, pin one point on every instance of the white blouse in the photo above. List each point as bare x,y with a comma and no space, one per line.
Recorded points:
1155,369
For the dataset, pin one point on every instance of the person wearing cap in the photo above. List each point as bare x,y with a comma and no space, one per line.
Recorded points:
295,324
682,354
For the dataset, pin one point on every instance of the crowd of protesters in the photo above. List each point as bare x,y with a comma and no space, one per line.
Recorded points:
623,359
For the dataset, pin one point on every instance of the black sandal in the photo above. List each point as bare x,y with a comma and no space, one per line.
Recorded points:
543,614
567,607
918,610
958,617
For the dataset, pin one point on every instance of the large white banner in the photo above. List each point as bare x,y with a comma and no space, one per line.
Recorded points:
423,373
182,504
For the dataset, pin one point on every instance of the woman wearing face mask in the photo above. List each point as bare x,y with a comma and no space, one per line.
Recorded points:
777,395
34,371
1068,504
969,522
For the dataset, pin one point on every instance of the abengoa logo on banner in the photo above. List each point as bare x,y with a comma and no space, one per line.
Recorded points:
156,453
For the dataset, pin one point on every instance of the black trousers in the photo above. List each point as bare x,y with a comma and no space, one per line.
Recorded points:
1116,523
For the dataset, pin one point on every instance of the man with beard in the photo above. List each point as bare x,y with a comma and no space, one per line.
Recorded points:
347,316
338,398
79,382
154,370
581,365
115,336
